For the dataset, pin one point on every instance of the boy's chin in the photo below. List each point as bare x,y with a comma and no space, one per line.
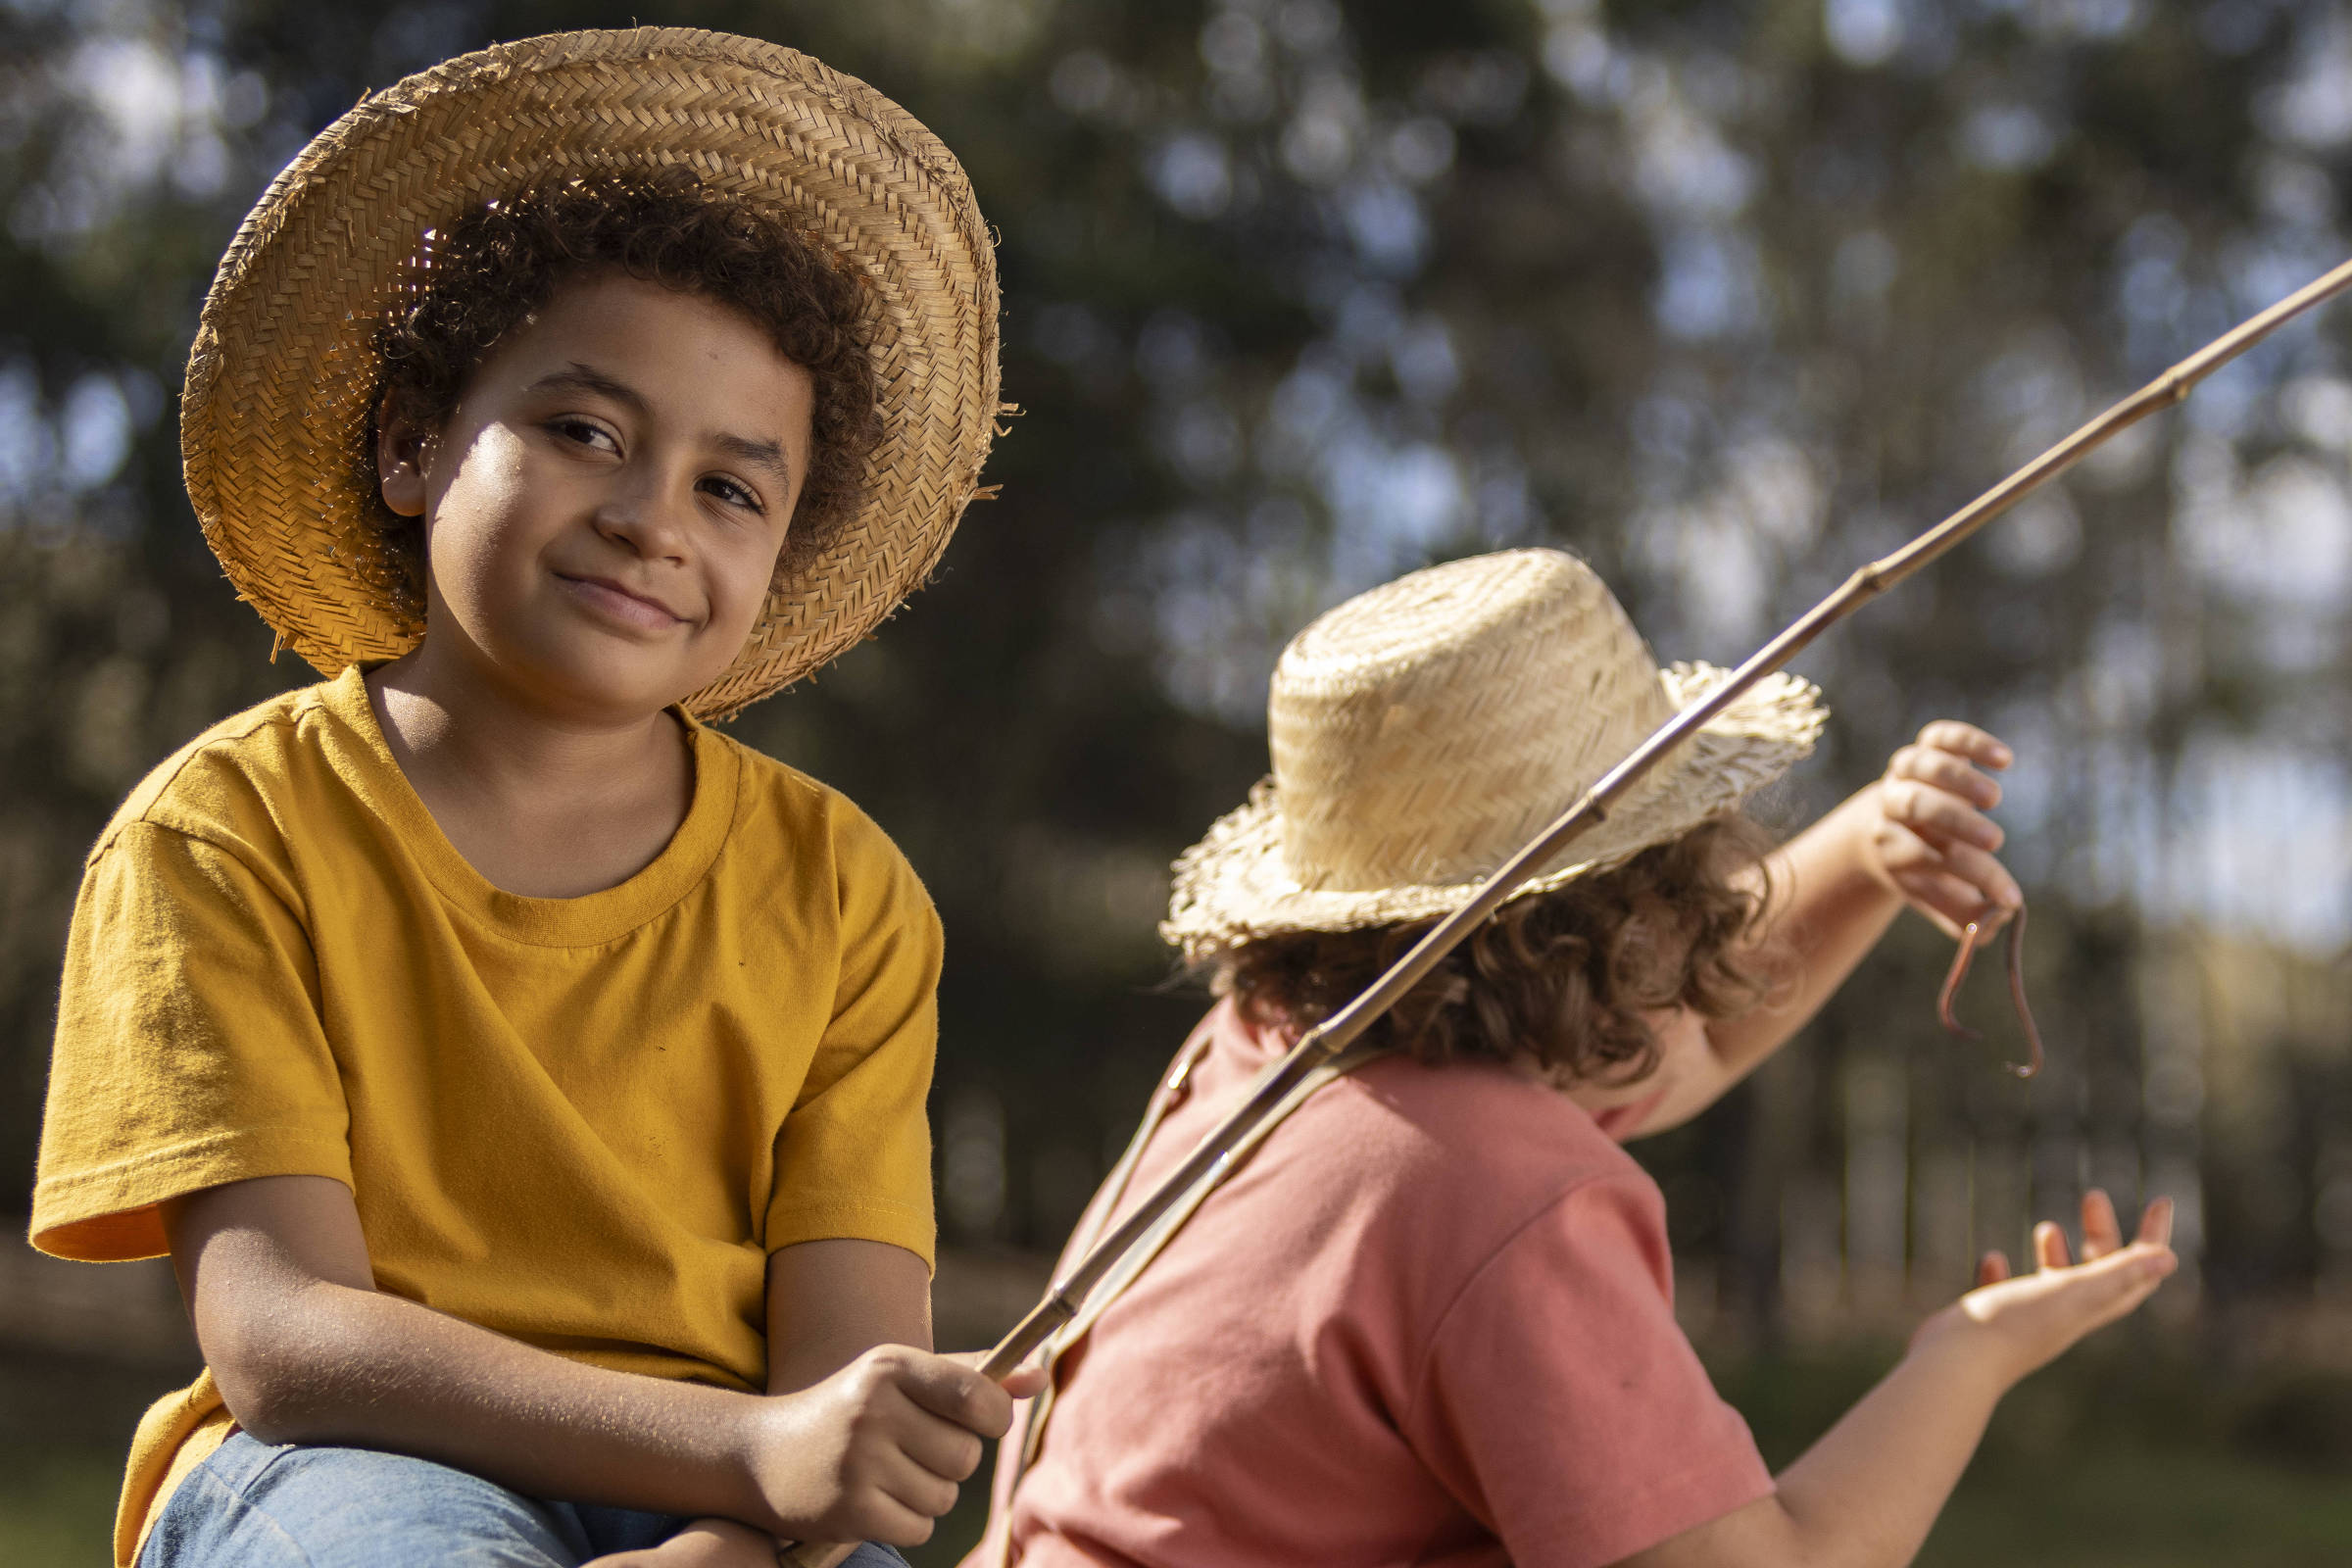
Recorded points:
612,690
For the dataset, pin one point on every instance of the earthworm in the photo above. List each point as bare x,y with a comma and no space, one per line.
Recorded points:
2015,954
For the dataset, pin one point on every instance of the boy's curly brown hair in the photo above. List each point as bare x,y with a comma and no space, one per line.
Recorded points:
1559,979
478,280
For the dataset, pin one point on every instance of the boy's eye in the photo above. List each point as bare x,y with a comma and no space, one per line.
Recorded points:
733,494
582,434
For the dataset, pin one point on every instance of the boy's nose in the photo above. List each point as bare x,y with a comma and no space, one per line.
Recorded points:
647,518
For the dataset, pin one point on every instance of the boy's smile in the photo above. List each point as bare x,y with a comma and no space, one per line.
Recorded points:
605,506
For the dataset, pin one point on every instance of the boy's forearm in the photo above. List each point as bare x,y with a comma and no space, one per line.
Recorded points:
353,1366
1828,911
1867,1494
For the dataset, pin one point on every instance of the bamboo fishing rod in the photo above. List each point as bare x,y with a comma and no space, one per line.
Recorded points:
1326,1040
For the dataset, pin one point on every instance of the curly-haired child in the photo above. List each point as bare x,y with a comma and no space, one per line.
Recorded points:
1429,1319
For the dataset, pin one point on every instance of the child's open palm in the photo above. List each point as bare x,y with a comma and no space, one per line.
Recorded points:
2022,1322
1934,844
1867,1493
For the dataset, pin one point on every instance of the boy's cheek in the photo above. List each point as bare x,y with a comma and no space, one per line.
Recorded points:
732,620
742,593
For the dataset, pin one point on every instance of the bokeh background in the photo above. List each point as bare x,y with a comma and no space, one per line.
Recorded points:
1299,295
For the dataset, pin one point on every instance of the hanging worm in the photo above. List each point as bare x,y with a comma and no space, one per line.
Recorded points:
2015,954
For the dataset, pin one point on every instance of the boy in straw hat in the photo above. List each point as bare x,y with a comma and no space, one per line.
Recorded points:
527,1081
1429,1318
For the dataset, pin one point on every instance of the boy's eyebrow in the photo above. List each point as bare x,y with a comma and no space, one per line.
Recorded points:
579,378
768,454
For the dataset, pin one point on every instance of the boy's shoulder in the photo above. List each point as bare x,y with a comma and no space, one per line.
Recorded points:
222,784
777,789
788,811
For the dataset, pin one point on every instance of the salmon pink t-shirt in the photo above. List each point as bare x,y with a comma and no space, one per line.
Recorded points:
1430,1320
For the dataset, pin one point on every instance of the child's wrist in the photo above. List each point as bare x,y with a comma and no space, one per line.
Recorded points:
751,1442
1866,817
1836,860
1967,1355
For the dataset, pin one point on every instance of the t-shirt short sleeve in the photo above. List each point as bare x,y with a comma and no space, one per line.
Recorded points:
1563,1406
189,1050
854,1158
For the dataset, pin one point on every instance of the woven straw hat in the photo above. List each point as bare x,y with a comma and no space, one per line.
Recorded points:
280,383
1425,731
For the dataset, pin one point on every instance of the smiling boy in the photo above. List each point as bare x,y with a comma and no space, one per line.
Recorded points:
607,503
526,1080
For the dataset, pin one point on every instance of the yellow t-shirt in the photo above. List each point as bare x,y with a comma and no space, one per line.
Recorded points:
581,1122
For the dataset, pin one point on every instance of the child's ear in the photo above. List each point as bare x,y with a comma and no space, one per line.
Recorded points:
400,444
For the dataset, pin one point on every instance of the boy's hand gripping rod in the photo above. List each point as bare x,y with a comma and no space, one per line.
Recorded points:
1334,1035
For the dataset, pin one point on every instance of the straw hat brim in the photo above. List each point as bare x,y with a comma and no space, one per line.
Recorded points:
1234,885
283,373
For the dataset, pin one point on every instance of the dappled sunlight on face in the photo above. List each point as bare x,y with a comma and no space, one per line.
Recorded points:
606,506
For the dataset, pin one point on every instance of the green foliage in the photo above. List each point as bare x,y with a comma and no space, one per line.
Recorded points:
1299,296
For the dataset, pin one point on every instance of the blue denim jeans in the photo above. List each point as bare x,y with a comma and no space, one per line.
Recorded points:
254,1504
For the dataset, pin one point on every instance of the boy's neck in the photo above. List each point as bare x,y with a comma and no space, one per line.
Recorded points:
542,805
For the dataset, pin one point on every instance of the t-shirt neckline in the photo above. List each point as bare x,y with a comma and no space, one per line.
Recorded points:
367,762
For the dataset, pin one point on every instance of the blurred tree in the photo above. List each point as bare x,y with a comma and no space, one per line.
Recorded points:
1299,296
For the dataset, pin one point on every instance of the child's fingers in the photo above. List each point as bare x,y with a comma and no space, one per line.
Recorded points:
2101,1232
1952,901
1936,812
1951,882
1025,1382
941,1447
1945,772
892,1520
2156,1223
2049,1246
1997,892
1916,870
1992,1268
1022,1381
916,1487
2106,1289
956,1392
1966,740
1948,901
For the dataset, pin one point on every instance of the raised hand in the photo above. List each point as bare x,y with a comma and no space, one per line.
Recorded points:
2020,1323
1933,843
